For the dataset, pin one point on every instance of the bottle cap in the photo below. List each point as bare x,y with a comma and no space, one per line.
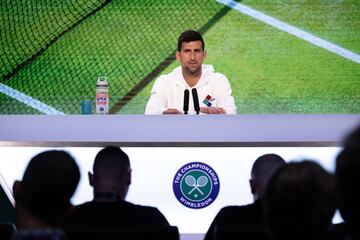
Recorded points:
101,82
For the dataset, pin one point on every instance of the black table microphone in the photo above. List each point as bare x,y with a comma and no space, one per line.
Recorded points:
186,101
196,100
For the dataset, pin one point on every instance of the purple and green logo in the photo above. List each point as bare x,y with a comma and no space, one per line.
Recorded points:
196,185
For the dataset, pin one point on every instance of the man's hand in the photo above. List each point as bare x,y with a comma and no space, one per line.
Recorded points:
172,111
212,110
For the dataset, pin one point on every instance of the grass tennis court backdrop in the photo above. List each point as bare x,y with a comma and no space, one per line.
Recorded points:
51,53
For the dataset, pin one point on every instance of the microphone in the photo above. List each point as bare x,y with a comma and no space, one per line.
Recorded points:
196,100
186,101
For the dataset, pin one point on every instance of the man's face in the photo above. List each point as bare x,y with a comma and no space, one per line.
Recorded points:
191,56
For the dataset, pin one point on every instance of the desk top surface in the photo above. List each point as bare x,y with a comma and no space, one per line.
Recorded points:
184,130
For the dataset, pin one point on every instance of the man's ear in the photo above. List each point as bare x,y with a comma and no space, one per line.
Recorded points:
204,56
91,179
128,178
177,55
17,188
253,186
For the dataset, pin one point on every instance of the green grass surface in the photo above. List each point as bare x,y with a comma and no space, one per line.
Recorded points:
125,41
13,106
335,20
270,71
27,26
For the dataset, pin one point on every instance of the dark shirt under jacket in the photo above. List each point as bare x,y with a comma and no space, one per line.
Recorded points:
120,213
247,216
341,231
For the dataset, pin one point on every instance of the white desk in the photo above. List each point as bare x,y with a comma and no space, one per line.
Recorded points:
244,137
184,130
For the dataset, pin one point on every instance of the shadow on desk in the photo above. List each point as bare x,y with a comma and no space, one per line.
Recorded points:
7,230
238,232
124,233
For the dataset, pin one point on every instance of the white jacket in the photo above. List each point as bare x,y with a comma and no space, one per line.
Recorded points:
168,92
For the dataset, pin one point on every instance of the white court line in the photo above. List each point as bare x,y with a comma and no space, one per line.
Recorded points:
42,107
292,30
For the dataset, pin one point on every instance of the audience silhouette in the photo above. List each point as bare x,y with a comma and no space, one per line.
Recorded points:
110,180
299,202
295,201
43,195
249,217
347,176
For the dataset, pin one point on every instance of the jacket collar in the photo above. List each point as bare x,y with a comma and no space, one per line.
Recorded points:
180,80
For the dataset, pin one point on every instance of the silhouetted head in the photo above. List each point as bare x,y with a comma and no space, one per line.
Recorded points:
111,172
262,169
49,181
347,175
299,201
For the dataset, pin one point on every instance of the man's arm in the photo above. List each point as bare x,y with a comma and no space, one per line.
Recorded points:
225,103
212,110
157,103
157,100
225,100
171,111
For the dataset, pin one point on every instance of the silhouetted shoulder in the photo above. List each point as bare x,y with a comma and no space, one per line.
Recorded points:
246,214
115,213
149,214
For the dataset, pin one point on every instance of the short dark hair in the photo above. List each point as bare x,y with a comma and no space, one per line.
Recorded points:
109,161
265,165
49,181
190,36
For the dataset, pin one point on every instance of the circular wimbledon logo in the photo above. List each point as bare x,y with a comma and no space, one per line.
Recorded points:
196,185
